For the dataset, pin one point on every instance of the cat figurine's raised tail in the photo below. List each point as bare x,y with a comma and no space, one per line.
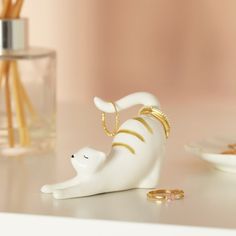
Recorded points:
134,159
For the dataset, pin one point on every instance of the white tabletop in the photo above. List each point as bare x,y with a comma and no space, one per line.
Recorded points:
210,194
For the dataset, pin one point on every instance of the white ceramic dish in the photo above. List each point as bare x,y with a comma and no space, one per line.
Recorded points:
210,151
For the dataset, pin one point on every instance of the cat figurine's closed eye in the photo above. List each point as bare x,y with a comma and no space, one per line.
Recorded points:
133,162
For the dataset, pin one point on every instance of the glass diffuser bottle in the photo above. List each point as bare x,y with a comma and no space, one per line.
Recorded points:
27,92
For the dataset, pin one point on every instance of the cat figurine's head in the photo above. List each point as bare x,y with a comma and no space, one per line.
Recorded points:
87,161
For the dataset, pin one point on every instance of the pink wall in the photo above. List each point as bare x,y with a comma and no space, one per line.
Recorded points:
181,49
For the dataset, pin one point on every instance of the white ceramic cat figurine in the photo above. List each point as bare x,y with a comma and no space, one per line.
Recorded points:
133,162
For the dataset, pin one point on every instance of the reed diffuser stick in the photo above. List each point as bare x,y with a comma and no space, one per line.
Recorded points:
2,73
6,8
27,101
11,139
23,130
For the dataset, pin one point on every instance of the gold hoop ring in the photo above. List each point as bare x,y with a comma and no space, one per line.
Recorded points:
165,194
117,122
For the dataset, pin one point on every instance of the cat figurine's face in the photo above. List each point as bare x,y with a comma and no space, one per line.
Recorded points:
87,161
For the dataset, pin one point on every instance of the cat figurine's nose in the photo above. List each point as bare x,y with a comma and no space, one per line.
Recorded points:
72,156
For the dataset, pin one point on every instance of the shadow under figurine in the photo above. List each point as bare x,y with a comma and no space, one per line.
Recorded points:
135,157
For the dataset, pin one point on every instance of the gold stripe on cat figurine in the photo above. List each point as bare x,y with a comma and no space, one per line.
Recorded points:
145,124
126,131
124,145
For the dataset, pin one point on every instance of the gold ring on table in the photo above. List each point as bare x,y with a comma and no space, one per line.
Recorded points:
159,115
117,122
165,194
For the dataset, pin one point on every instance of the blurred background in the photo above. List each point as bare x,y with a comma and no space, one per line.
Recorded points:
180,50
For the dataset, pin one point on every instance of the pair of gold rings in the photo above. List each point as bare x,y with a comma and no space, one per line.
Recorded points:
153,111
165,194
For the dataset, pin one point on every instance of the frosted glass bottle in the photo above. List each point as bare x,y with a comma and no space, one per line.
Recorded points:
27,92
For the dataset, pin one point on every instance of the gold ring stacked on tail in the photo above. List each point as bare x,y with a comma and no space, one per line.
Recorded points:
159,115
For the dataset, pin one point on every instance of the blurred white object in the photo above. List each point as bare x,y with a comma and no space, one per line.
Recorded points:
133,162
210,150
